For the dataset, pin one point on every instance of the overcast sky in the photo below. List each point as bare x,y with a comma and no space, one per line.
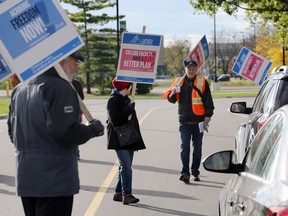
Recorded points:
175,20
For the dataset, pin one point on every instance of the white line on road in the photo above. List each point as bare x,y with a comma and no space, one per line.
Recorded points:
92,209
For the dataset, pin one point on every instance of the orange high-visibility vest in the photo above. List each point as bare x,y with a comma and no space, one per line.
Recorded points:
197,102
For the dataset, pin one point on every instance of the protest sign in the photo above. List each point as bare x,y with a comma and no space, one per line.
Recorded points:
138,58
251,66
34,36
200,53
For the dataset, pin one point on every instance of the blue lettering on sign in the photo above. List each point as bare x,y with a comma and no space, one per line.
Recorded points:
27,24
240,60
141,39
135,79
51,59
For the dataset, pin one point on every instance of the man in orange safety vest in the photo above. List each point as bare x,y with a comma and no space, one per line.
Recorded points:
195,109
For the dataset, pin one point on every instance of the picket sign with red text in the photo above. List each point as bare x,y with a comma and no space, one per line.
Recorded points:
138,58
200,53
251,66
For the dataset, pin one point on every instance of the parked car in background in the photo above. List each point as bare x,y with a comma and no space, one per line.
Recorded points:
272,95
163,77
211,76
223,78
260,183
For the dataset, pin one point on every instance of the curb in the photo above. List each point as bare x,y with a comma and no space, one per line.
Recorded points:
3,117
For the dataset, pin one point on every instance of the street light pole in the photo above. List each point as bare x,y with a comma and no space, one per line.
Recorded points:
243,38
118,31
215,54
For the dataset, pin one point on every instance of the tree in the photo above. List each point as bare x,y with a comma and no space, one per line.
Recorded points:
275,11
86,22
269,45
174,55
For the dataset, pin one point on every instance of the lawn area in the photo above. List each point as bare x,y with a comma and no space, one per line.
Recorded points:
5,101
4,106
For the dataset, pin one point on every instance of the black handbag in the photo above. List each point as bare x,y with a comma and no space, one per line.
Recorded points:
127,134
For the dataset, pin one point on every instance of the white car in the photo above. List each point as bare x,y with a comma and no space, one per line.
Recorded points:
260,183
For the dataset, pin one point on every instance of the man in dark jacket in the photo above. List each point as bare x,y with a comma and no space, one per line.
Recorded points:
45,128
195,110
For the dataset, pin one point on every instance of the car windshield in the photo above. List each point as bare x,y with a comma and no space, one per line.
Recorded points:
262,145
281,98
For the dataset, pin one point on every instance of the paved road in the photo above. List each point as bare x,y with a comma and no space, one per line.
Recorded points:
155,170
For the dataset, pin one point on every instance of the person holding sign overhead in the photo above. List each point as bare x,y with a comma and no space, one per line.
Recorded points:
45,128
195,109
119,109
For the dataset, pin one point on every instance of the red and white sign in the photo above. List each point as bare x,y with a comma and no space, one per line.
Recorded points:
137,60
251,66
139,57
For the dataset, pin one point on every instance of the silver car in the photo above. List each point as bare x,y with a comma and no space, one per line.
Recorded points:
260,183
271,96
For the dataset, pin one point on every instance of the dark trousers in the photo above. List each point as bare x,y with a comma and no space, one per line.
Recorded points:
186,133
47,206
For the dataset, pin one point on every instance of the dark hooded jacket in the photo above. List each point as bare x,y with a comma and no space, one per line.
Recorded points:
119,110
45,128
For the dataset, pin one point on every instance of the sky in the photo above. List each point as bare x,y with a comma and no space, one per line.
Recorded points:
175,20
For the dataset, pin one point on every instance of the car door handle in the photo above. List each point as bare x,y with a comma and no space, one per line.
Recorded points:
230,203
241,206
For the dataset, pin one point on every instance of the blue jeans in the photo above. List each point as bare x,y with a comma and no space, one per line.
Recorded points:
186,133
124,180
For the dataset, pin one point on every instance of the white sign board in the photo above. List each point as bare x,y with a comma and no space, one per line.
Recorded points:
34,36
251,66
138,58
200,53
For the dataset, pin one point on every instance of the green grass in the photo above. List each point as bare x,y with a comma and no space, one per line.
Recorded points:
5,101
234,94
4,106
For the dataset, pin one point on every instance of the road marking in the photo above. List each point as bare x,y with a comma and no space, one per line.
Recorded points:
92,209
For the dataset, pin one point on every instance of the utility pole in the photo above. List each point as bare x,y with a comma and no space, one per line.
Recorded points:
243,41
118,31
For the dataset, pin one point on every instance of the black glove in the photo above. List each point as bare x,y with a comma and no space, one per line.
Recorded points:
96,127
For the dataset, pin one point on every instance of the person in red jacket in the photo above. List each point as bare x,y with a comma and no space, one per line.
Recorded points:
195,109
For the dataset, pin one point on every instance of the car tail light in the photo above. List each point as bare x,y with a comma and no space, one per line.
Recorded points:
278,211
262,122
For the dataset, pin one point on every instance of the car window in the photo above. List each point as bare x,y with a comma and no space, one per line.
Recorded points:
262,95
281,98
264,154
269,167
259,145
269,102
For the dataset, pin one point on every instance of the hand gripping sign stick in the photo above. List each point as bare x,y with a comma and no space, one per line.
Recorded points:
134,83
83,107
177,84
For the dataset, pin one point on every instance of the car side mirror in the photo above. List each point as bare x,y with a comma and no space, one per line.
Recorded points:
222,162
240,107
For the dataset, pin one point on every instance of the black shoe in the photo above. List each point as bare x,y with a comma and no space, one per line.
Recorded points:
117,197
130,199
185,178
196,178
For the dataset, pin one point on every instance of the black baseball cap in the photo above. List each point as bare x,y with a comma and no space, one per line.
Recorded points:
78,56
193,63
